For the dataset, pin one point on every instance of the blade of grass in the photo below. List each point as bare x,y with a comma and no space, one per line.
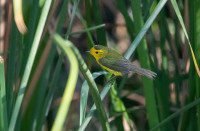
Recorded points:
11,69
93,109
70,86
175,6
41,3
119,106
185,108
49,97
88,29
62,15
76,3
87,12
29,64
101,37
148,87
88,9
93,88
84,95
163,93
163,39
144,29
3,103
147,8
30,34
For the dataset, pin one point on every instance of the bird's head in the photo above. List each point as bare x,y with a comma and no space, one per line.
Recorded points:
99,51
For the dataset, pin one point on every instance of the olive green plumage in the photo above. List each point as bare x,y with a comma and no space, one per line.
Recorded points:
116,63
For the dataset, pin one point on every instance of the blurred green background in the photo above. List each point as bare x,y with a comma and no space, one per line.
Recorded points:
44,65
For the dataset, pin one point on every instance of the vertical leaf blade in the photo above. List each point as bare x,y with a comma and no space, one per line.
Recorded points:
3,104
148,86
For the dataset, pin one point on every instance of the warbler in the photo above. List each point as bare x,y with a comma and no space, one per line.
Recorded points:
115,63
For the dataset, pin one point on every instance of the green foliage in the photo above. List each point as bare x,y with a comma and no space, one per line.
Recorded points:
40,85
3,104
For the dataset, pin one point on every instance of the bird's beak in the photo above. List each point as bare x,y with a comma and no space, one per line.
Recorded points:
88,51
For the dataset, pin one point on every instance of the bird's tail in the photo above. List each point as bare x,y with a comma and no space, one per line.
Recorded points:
144,72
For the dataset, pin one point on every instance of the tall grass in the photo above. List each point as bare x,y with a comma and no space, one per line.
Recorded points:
3,104
40,82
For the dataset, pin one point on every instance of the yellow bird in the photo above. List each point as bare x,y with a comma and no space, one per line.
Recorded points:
115,63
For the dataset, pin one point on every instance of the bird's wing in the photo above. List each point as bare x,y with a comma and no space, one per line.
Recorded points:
120,65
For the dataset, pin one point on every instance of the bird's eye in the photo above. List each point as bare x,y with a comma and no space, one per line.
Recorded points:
96,52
